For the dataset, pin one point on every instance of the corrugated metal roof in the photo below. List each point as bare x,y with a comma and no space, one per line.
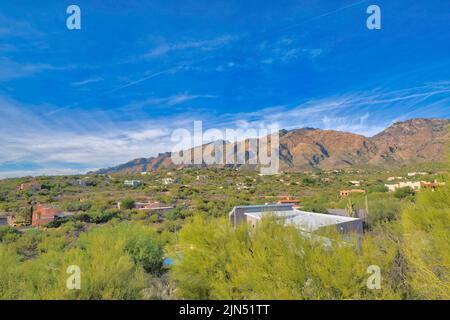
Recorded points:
303,219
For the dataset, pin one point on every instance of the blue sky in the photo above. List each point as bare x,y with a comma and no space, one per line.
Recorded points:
76,100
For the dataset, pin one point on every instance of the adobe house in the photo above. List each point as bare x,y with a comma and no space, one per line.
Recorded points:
44,215
432,185
346,193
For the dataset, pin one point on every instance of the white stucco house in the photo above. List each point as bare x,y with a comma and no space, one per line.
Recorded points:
414,185
132,183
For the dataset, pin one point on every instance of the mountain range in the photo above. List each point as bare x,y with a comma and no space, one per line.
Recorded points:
411,141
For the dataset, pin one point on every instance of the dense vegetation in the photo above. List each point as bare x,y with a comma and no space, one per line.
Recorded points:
121,252
113,262
276,262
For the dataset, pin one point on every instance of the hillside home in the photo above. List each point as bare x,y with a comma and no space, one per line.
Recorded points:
242,186
346,193
303,220
168,181
30,186
395,178
412,174
151,206
355,183
82,183
414,185
3,220
78,182
432,185
132,183
44,215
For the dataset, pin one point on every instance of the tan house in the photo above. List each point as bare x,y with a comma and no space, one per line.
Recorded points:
415,185
394,178
412,174
346,193
355,183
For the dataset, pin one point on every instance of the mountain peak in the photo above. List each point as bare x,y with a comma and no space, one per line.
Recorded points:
413,140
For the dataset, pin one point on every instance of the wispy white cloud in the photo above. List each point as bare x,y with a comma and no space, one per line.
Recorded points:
288,55
226,66
167,101
10,28
355,124
82,140
287,49
204,45
10,70
365,113
87,81
148,75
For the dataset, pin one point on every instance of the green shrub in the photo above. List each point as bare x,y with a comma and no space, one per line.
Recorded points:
101,216
127,204
112,259
426,244
273,261
383,210
77,206
404,192
8,234
174,214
